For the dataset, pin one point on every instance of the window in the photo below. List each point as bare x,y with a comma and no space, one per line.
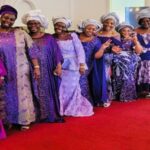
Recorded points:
120,7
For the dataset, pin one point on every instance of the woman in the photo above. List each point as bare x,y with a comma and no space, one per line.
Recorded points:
109,34
16,52
143,19
125,64
2,100
72,103
91,45
50,67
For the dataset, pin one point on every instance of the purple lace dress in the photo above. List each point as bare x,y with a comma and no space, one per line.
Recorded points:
16,49
47,88
124,68
72,103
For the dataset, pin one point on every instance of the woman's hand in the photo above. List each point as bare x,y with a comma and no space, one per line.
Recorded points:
116,49
135,39
82,69
106,44
36,73
58,71
36,68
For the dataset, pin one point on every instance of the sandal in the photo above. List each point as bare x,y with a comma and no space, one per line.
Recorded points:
147,96
107,104
25,127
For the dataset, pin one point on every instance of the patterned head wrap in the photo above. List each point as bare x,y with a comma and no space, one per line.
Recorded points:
8,9
123,25
35,15
64,20
112,16
144,13
87,22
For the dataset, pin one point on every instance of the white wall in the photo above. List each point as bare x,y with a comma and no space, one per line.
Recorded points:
76,10
147,3
83,9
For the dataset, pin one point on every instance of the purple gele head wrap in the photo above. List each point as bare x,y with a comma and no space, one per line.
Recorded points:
8,9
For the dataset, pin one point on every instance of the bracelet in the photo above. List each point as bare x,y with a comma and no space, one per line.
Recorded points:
2,77
55,73
36,67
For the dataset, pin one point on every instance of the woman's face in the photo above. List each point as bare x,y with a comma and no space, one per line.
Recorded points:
34,26
108,25
60,27
126,32
90,30
145,23
7,20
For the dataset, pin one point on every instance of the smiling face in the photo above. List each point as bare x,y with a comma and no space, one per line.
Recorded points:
145,23
7,20
90,30
60,27
34,26
108,25
126,32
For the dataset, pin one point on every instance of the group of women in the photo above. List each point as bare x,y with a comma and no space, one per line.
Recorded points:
44,77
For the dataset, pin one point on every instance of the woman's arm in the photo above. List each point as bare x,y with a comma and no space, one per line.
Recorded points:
137,46
102,49
33,53
36,68
80,53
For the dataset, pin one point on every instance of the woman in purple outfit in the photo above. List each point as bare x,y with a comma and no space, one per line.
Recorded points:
143,31
50,67
92,46
17,52
2,99
108,33
72,103
125,64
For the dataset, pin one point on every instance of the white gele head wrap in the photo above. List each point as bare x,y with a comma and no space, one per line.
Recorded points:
112,16
124,25
37,16
144,13
64,20
87,22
